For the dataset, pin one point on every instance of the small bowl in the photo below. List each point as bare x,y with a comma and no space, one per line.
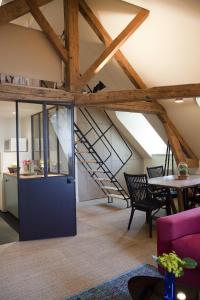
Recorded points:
13,170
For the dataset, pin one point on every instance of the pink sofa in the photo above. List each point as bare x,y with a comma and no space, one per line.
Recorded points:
181,233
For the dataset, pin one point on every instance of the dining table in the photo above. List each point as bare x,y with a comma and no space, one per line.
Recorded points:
181,185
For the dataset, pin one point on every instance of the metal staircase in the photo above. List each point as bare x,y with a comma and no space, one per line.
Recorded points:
169,158
97,163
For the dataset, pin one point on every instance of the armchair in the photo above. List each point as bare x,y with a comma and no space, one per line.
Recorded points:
181,233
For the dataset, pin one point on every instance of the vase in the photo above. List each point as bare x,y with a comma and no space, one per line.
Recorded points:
170,288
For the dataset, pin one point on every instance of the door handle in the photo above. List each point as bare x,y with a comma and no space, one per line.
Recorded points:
70,180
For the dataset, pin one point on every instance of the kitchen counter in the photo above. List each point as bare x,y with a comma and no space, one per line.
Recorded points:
23,176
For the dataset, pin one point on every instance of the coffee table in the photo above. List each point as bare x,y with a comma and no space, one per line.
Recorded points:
152,288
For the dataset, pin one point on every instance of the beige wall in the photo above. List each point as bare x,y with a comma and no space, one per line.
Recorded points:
27,52
186,117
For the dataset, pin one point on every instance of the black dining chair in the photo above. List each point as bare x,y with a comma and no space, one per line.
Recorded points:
143,199
158,171
193,197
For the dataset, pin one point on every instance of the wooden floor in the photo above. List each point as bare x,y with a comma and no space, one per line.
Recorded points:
56,268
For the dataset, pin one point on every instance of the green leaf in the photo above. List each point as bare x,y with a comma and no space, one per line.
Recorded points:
189,263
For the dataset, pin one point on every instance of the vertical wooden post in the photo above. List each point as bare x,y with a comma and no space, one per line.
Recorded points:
72,70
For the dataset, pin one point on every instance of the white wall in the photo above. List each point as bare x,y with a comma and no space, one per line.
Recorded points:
8,130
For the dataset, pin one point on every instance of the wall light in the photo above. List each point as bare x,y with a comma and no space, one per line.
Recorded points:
198,100
100,86
179,100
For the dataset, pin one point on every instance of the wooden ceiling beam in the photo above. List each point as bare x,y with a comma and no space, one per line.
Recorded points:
15,9
148,94
139,107
11,92
48,30
110,51
103,35
71,30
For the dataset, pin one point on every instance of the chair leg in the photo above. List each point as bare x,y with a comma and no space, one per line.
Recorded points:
147,217
168,207
131,217
150,223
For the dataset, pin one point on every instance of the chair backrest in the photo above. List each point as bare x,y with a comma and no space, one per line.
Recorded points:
155,171
137,187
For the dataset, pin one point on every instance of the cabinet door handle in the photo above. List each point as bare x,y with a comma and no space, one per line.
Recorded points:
7,180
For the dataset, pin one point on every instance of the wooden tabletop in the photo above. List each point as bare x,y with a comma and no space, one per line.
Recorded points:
174,182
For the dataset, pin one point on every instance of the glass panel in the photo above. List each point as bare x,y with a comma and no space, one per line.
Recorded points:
41,141
30,140
59,136
36,142
53,144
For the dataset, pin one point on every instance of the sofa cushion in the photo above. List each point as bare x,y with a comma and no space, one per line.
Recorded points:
188,246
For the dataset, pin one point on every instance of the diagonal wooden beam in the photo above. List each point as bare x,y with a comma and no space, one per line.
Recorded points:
72,69
148,94
110,51
11,92
48,30
139,107
15,9
188,151
103,35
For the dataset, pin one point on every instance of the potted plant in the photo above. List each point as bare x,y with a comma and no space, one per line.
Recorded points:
174,267
182,170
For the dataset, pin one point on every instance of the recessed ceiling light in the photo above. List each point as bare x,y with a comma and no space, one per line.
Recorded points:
179,100
14,113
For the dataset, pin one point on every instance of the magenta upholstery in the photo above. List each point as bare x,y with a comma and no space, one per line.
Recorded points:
181,233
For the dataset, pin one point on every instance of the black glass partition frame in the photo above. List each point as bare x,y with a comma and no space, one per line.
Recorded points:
47,204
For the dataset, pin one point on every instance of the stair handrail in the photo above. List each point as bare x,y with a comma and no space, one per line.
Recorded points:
103,136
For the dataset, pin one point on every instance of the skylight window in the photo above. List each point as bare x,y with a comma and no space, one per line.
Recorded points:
143,132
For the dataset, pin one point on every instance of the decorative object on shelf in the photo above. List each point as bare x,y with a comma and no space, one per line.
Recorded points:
13,168
173,266
10,145
182,170
28,166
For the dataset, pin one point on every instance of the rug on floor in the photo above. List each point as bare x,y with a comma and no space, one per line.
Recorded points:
116,288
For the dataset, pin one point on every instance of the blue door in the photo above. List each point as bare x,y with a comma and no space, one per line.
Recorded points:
46,183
